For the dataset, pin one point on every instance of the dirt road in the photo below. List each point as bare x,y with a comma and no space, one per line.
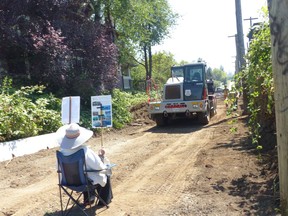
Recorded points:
182,169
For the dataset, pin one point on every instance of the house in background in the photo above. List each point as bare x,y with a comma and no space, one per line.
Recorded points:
126,79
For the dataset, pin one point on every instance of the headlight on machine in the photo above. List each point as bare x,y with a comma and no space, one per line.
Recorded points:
155,107
195,105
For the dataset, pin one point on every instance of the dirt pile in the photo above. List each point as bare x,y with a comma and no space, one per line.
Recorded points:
140,115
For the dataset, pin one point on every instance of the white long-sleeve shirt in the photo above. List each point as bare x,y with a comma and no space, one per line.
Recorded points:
93,162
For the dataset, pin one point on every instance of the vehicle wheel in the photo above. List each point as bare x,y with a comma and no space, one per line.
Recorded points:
204,118
213,112
160,120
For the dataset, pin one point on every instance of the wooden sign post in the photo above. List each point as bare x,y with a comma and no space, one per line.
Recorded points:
279,38
70,109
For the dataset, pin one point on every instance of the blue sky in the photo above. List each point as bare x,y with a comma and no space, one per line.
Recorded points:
203,29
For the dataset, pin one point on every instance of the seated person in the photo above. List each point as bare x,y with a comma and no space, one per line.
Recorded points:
225,92
71,139
196,77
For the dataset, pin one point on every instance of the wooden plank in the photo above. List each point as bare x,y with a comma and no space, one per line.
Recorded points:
279,38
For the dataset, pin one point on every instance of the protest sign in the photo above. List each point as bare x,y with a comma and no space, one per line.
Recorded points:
70,110
101,111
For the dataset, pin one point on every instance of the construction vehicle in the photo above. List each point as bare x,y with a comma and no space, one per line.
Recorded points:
186,94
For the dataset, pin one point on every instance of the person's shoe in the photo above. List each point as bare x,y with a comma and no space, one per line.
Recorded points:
90,201
100,205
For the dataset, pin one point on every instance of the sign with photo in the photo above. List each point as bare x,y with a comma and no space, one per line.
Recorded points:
70,109
101,111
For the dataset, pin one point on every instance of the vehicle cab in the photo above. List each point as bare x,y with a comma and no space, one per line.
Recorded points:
194,80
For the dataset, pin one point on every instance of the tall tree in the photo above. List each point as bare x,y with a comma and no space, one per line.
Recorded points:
31,48
58,43
140,25
162,63
219,75
156,29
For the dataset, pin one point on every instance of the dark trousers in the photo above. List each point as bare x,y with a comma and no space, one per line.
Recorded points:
91,192
104,192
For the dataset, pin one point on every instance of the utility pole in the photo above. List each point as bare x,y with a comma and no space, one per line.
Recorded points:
250,19
279,31
251,24
241,47
240,38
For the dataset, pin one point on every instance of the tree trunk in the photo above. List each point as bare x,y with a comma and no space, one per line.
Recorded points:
279,33
150,60
27,65
97,10
146,62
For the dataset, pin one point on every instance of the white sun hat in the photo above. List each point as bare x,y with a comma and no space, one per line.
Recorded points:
72,136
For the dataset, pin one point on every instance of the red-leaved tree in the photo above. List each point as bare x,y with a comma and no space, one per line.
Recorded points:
57,43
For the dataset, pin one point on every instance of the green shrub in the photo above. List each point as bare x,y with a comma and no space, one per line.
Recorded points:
29,112
22,116
121,105
85,118
258,79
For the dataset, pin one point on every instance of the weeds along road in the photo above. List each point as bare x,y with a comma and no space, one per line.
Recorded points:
181,169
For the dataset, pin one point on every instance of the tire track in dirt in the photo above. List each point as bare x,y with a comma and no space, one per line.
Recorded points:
155,166
162,175
15,203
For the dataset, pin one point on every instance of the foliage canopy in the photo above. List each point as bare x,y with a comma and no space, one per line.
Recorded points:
259,84
57,44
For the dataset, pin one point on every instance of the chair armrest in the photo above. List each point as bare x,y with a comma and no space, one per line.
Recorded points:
95,170
108,166
107,170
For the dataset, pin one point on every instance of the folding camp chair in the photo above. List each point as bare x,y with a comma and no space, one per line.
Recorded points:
72,175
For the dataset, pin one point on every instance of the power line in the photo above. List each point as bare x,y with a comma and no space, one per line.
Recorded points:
254,18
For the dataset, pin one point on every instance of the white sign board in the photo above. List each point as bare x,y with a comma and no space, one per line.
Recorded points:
70,110
101,111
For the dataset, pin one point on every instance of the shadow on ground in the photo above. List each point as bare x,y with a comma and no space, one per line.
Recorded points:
262,194
75,211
